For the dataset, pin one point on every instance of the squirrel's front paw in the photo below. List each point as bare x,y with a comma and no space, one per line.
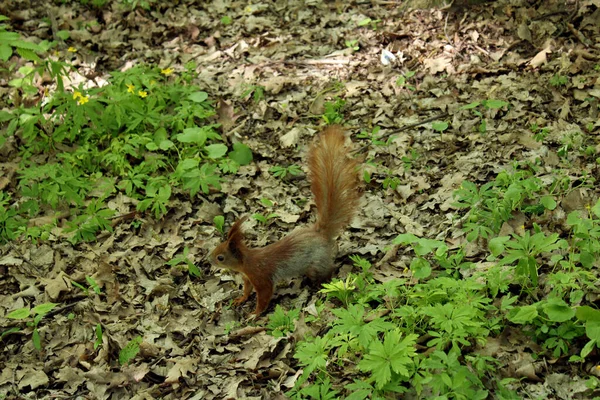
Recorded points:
240,300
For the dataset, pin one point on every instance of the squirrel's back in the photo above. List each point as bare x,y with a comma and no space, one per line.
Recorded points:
334,182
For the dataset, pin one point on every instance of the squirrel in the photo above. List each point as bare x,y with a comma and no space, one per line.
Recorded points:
307,250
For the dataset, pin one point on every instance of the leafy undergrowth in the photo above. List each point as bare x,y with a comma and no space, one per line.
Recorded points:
474,258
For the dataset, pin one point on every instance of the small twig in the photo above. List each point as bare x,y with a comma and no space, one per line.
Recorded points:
404,128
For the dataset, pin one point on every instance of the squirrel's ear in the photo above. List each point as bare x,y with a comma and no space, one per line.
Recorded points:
235,239
236,229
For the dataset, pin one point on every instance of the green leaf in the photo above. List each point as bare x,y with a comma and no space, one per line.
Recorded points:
548,202
9,331
130,350
43,309
193,270
592,330
35,338
420,267
166,145
392,355
192,135
219,221
64,35
439,126
5,52
28,54
216,151
8,36
496,245
198,97
596,209
241,154
405,238
587,349
587,259
523,315
20,313
587,313
98,341
495,104
558,310
470,105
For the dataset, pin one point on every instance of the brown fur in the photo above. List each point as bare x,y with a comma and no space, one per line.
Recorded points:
305,251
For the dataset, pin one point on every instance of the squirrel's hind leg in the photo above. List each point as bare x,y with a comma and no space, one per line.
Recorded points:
264,292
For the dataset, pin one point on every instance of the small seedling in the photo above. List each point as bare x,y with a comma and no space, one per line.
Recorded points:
283,172
402,80
558,80
38,312
219,222
193,270
352,44
98,333
332,114
130,350
264,218
372,136
368,21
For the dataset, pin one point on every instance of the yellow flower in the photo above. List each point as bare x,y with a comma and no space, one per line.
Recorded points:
130,88
83,99
76,95
142,94
166,71
72,49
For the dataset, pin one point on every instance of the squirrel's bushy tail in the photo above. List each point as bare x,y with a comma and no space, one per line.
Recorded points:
334,182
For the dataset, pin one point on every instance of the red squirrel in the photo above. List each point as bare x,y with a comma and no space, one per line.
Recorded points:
308,250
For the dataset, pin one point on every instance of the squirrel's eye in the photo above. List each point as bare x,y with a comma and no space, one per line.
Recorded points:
221,257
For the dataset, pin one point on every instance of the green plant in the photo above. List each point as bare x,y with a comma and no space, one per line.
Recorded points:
341,290
38,312
131,349
332,114
439,126
370,22
92,285
183,259
402,80
226,20
558,80
282,322
479,107
539,134
257,92
352,44
373,136
493,203
145,134
409,159
87,225
282,172
98,333
219,222
264,218
525,249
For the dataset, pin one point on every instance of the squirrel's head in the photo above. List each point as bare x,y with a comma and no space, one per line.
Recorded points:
230,254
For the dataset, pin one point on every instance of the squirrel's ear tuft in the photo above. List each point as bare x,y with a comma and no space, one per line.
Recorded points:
235,239
236,230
